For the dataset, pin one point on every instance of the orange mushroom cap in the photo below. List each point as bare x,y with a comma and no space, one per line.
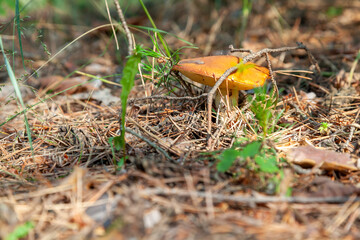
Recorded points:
207,70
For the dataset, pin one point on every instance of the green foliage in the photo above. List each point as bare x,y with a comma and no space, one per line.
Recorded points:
228,156
162,40
246,10
6,4
158,69
324,127
264,157
18,27
127,82
256,157
263,107
243,67
20,231
267,164
333,11
17,92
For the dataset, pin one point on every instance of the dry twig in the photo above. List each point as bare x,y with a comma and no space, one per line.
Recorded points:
247,199
125,26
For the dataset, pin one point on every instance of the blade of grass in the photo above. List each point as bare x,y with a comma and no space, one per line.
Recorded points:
17,92
246,10
352,70
127,82
165,46
159,31
17,10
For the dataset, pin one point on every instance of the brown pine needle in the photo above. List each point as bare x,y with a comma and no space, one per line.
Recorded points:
289,73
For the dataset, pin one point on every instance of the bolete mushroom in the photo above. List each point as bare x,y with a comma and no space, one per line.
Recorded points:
207,70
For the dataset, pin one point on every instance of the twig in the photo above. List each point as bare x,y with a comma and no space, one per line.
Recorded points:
271,73
232,49
167,98
352,130
246,199
125,26
149,142
161,142
112,25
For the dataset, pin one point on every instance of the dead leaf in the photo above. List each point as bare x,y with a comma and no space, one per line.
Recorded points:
309,156
97,68
58,84
324,187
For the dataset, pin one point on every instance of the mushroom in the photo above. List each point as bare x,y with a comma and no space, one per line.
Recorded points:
207,70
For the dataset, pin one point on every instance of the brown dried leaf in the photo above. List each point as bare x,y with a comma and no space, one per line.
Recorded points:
309,156
324,187
58,83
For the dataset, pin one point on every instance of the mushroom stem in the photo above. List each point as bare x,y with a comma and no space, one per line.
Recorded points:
221,94
230,97
234,98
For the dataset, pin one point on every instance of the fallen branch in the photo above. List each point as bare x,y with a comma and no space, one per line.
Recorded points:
167,98
247,199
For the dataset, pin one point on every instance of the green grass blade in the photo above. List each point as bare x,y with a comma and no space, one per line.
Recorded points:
127,82
17,9
165,46
160,31
17,92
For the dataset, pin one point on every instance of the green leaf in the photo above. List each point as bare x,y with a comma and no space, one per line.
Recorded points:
227,159
243,67
334,11
127,82
116,143
17,17
289,191
267,164
251,149
20,231
10,3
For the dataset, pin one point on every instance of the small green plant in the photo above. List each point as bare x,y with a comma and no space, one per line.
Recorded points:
127,82
324,128
333,11
265,159
256,157
14,82
157,70
20,231
228,157
263,106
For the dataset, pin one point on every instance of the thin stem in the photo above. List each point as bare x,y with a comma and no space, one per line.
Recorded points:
149,142
125,26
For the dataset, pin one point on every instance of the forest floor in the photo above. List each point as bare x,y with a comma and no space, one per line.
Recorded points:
299,181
